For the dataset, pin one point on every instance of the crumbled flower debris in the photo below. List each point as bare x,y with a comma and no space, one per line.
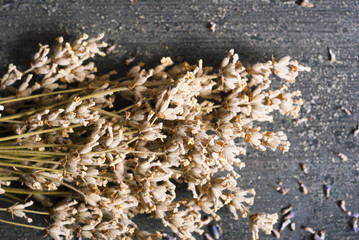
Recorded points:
112,164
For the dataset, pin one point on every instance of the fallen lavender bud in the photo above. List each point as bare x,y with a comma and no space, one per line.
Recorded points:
310,230
303,187
327,191
332,57
207,236
343,207
212,26
290,215
292,226
215,230
287,210
355,225
300,121
346,110
356,131
319,236
282,190
342,156
276,233
304,168
284,225
355,214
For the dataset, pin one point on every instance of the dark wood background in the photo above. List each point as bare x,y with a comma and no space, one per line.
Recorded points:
257,30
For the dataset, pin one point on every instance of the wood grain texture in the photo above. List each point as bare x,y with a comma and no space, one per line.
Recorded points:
257,30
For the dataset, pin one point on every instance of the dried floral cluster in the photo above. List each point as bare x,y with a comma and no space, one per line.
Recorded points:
63,134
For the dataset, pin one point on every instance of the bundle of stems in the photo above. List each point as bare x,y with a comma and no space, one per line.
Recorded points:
96,150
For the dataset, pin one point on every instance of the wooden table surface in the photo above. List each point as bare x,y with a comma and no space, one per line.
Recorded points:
257,30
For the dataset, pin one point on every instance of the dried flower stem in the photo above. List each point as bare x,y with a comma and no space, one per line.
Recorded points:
15,99
14,197
7,200
38,132
106,112
8,178
23,191
41,146
27,210
32,153
30,167
22,225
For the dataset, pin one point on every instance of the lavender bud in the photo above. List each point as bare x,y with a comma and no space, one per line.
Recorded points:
355,225
215,231
327,191
284,225
290,216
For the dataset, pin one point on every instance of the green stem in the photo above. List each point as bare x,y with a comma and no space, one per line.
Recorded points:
38,132
22,225
14,197
42,95
9,178
7,200
26,192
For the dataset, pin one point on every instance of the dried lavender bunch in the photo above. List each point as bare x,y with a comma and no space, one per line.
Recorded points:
63,136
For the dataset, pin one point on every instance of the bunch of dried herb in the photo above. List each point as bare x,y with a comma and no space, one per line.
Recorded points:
61,135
